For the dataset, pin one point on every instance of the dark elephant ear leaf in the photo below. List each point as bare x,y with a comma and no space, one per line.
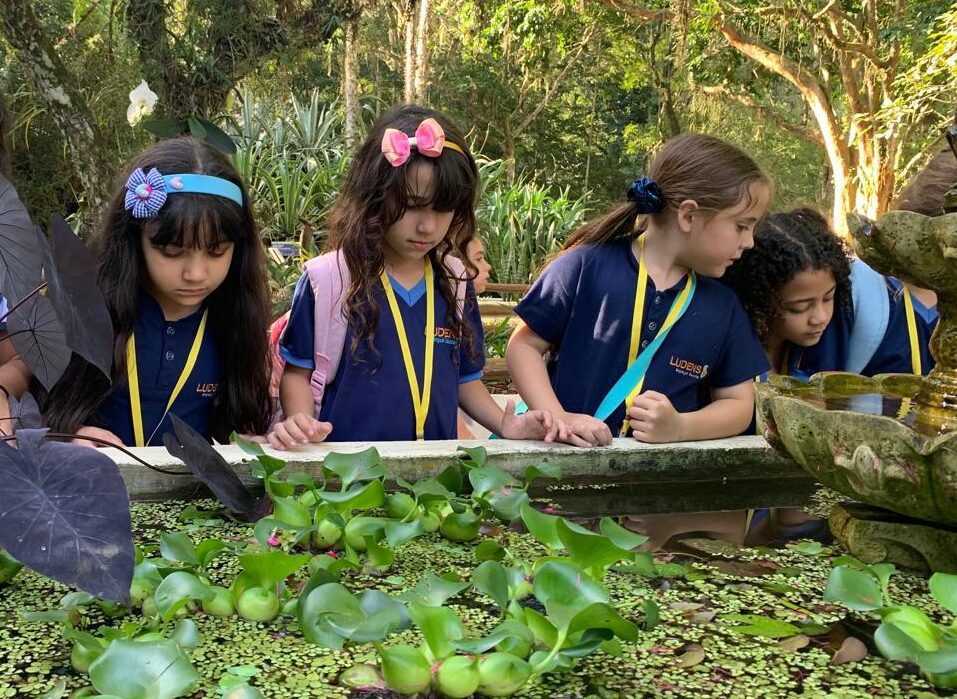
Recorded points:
64,512
25,413
39,338
70,274
189,446
20,258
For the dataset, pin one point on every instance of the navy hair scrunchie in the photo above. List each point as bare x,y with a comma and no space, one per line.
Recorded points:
646,194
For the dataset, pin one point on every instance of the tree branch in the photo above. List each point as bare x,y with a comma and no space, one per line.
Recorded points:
640,13
802,132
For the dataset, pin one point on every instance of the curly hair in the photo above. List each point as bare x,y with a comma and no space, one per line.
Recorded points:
784,245
375,195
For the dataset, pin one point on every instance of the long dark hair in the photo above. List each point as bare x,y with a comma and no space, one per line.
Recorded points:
784,245
375,195
716,174
238,308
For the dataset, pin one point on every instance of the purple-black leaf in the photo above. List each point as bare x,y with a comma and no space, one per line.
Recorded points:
20,258
39,338
70,273
25,413
189,446
65,513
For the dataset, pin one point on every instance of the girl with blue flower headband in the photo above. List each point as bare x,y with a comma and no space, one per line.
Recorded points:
182,270
643,340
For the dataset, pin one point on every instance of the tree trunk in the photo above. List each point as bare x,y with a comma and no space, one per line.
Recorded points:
422,53
350,79
61,95
409,77
6,145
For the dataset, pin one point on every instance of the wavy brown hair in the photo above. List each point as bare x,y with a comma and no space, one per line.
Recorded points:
714,173
375,195
238,308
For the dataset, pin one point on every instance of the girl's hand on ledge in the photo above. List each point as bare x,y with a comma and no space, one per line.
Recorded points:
298,430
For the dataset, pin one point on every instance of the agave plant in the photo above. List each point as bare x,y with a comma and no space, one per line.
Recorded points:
523,223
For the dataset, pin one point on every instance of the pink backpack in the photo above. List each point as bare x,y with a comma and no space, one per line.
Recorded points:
330,279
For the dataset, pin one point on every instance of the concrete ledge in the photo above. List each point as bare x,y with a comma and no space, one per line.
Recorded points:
724,461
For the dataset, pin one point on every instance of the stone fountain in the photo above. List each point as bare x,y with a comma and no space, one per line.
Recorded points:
889,441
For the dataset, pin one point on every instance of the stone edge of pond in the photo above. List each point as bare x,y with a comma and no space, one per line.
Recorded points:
732,459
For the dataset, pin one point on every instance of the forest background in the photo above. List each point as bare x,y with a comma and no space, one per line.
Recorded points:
842,100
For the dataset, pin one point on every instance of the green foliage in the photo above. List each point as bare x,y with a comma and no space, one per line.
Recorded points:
523,223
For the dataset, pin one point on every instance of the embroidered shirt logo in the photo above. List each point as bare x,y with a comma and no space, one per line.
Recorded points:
207,390
446,336
687,368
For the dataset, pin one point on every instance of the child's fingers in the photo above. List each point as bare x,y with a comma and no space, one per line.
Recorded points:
295,432
279,438
307,424
274,441
509,407
323,430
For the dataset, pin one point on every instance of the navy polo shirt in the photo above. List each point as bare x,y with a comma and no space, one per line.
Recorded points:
369,398
161,350
892,355
583,305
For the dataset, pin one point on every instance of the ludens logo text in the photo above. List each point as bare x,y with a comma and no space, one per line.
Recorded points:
687,368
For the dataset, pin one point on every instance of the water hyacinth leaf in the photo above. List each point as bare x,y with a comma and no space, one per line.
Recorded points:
405,669
944,588
271,567
603,616
652,614
248,446
143,670
58,691
207,550
589,642
176,590
291,512
542,470
506,501
896,644
490,579
853,588
489,550
589,550
939,662
542,629
65,513
397,533
472,457
486,478
756,625
20,257
39,338
619,536
361,466
177,546
431,589
565,590
361,497
510,628
70,272
331,614
440,627
186,634
451,479
187,445
542,526
431,490
378,556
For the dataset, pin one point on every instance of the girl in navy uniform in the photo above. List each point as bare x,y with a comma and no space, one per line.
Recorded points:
181,268
634,290
14,374
395,354
816,310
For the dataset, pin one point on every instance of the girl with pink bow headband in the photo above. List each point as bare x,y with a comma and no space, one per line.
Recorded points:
384,339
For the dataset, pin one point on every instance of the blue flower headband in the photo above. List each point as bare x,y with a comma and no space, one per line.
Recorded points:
146,192
646,194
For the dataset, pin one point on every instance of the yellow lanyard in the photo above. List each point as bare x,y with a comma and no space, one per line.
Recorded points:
420,402
135,407
637,317
915,362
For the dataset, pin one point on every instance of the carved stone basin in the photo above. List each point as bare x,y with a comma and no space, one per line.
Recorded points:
862,437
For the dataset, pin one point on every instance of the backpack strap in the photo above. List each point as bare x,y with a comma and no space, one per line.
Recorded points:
330,279
871,312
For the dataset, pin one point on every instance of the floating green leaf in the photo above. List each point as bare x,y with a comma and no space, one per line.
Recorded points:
143,670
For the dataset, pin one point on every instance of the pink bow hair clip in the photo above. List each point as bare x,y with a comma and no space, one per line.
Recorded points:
429,140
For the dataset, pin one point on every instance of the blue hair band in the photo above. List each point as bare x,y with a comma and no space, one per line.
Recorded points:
146,192
647,196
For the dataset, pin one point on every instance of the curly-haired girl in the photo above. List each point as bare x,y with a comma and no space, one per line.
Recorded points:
817,310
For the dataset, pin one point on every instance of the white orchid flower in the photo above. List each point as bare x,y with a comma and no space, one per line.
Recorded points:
142,101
